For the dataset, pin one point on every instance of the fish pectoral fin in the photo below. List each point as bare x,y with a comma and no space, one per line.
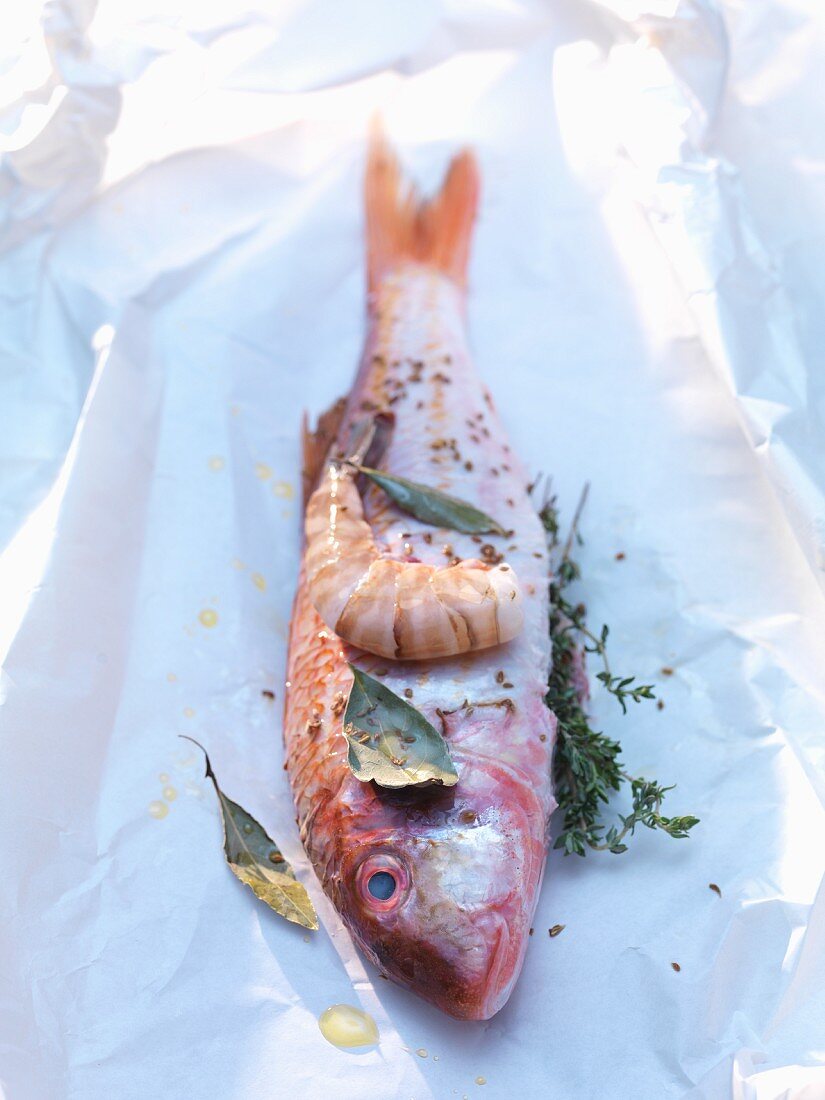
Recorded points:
316,442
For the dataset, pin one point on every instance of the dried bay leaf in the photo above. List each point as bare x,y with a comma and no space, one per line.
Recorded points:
389,741
432,506
257,861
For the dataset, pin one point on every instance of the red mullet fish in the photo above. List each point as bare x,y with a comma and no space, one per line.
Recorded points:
438,885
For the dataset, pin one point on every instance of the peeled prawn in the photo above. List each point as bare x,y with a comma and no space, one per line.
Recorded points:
398,609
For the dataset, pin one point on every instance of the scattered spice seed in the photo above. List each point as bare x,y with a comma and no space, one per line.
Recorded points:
660,704
381,671
556,930
666,671
499,677
676,967
427,537
530,933
468,466
490,554
507,685
467,817
715,888
620,556
542,737
268,694
447,550
408,692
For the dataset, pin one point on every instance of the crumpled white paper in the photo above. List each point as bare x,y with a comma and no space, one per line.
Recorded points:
182,274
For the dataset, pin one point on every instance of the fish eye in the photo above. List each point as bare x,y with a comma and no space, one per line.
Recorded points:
381,884
382,881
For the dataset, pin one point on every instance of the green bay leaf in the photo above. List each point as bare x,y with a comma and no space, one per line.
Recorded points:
432,506
257,861
389,741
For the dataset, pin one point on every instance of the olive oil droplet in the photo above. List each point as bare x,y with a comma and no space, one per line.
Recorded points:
170,794
481,1080
208,617
259,581
158,809
345,1026
421,1052
263,471
163,777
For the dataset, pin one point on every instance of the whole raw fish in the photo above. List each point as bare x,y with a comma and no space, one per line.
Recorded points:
438,885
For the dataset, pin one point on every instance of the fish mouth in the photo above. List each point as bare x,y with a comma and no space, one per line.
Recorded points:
498,990
445,981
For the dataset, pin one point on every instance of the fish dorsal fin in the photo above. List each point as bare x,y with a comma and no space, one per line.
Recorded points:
316,442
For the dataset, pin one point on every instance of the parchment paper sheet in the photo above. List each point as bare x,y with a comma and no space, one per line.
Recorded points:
181,276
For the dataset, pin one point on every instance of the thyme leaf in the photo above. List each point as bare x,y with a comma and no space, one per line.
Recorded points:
587,768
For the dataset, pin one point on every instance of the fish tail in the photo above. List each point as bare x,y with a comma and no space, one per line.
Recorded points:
401,226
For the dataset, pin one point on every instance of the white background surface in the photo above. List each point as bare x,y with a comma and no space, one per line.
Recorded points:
182,275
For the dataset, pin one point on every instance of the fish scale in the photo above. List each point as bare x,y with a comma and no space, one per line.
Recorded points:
466,861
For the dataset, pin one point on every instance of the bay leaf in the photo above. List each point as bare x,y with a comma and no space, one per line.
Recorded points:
257,861
432,506
389,741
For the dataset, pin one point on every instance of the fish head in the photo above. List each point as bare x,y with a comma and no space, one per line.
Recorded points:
440,895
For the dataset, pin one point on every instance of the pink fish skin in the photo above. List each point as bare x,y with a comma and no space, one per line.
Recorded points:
461,866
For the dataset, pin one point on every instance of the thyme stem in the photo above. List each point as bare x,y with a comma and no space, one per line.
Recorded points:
586,765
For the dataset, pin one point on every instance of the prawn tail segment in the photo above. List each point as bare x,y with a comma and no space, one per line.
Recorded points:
401,226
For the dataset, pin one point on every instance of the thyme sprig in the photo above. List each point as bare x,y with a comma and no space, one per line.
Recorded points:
586,766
